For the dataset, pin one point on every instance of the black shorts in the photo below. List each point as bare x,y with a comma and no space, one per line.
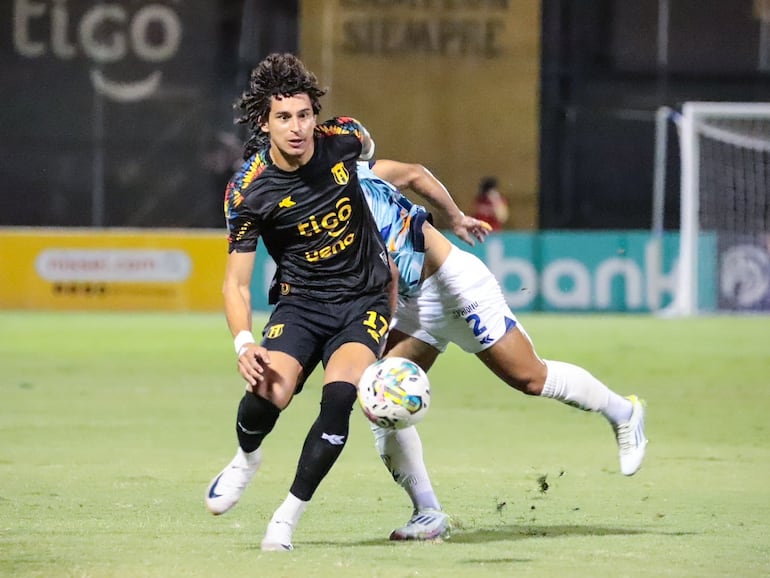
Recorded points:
311,331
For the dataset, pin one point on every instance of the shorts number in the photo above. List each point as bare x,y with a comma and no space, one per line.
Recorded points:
476,326
376,325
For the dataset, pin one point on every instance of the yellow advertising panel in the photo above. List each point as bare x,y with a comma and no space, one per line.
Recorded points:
81,269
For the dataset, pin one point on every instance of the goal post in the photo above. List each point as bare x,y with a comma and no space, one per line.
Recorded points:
724,237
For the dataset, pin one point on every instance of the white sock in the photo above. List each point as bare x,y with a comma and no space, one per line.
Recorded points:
248,458
290,511
574,386
401,451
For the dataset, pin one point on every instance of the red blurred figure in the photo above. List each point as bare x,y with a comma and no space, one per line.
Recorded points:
490,205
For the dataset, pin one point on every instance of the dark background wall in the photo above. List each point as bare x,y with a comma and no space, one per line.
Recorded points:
84,141
72,153
607,66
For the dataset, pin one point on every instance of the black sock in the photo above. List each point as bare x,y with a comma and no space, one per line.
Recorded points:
256,419
326,439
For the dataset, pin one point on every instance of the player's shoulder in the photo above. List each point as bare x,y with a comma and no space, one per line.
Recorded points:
341,125
250,170
252,177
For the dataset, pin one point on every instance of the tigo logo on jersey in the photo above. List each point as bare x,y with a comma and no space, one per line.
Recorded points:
334,224
275,331
286,203
340,174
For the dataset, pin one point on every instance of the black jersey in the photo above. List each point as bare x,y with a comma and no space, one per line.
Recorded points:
314,221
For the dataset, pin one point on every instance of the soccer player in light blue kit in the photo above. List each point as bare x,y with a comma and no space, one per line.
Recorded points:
449,295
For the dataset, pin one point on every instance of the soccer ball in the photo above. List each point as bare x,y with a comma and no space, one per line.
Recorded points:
394,392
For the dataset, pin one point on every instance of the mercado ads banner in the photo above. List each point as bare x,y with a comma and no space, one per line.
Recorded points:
120,270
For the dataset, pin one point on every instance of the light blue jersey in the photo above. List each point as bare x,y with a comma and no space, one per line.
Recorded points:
400,223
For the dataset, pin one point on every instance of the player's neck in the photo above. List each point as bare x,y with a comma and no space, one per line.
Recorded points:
289,163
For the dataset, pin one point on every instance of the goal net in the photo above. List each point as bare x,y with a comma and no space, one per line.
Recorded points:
724,245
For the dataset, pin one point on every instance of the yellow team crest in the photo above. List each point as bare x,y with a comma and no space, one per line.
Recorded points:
275,331
340,174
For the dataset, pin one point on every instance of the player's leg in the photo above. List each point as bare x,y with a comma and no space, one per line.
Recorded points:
478,319
513,359
257,414
401,452
290,337
348,353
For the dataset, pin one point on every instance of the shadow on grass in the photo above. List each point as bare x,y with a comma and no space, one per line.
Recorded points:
506,533
511,532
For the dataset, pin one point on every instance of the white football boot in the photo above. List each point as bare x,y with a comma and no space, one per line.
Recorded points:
278,536
632,442
426,524
227,487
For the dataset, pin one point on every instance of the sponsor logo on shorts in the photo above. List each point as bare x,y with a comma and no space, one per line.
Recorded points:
463,311
275,331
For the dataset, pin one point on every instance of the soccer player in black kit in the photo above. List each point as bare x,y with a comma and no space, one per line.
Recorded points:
298,190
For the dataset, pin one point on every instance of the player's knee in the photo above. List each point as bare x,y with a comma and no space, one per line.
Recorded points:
529,381
256,419
258,412
276,387
337,401
537,378
531,387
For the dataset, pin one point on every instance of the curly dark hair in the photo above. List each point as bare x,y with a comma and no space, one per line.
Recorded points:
279,75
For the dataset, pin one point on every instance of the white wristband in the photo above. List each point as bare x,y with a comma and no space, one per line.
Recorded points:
368,155
242,339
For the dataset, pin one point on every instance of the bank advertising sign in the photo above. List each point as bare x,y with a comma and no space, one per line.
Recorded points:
587,271
566,271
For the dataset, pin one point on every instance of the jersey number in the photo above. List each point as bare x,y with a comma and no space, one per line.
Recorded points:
475,322
376,325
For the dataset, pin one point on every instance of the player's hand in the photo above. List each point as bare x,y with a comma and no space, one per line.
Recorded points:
470,229
252,363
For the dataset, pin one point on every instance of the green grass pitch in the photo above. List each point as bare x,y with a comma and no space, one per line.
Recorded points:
111,426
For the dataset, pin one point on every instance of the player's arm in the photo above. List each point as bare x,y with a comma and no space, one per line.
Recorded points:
419,179
237,298
367,144
237,292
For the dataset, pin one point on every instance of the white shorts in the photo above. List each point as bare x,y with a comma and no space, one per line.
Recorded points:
461,303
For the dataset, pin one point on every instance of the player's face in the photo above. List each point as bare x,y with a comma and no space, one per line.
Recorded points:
291,123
